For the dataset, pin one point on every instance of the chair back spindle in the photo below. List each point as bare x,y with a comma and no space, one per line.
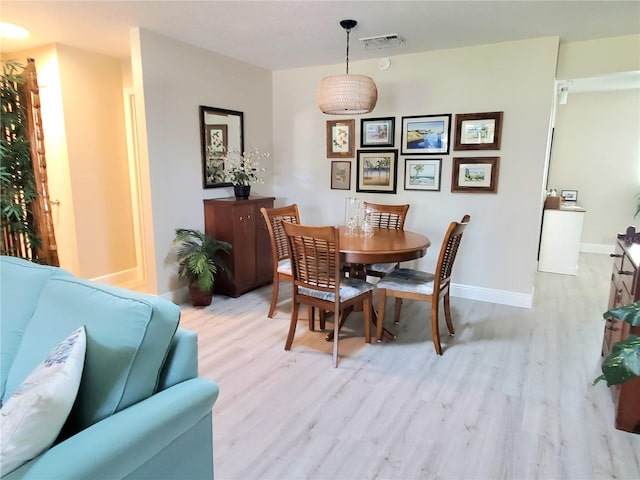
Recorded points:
449,250
273,218
279,235
391,217
315,257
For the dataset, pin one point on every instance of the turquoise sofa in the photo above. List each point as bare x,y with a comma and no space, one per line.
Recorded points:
141,410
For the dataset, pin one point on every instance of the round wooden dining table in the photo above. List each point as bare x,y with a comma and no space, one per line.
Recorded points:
385,246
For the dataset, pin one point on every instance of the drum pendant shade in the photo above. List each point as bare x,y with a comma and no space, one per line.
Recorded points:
347,94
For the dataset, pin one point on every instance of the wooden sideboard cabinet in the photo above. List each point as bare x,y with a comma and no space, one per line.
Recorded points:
240,223
625,289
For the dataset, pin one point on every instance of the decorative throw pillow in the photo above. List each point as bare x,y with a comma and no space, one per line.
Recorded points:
34,415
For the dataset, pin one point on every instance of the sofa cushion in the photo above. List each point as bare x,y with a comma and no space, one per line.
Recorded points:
128,336
34,415
21,283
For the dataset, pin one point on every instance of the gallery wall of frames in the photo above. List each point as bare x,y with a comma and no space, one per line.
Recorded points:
425,145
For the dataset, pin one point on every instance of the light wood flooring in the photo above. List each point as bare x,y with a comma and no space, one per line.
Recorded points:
511,398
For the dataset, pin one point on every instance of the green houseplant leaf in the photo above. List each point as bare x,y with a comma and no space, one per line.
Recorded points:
623,363
17,181
627,313
199,257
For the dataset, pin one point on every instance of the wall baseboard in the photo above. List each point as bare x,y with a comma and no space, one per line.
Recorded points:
503,297
491,295
596,248
481,294
130,278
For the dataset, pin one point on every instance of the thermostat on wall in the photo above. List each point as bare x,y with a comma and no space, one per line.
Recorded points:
384,64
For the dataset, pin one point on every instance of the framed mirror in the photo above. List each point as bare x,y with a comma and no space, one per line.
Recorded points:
220,131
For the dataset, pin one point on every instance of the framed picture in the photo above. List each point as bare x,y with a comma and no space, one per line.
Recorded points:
478,131
377,171
221,131
217,137
475,175
569,195
340,138
422,174
340,175
377,132
426,135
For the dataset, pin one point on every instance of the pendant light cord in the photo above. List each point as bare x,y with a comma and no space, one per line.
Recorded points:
348,31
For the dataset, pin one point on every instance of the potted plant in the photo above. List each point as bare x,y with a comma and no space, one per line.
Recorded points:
200,257
242,171
623,363
17,181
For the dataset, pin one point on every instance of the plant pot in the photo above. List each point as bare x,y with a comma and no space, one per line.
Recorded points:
200,298
242,191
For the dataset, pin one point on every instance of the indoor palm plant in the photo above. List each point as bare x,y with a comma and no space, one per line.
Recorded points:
623,363
200,257
17,182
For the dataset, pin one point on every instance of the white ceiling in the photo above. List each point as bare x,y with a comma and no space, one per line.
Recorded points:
288,34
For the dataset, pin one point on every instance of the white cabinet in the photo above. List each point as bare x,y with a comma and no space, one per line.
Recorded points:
560,240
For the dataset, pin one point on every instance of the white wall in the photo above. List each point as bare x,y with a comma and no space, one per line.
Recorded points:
95,132
498,257
176,78
597,152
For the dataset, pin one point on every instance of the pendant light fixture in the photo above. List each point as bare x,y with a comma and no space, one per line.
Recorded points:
347,94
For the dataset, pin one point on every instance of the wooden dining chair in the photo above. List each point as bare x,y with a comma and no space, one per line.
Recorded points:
385,216
318,281
279,249
407,283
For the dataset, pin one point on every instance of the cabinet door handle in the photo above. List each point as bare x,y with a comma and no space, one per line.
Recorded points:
615,255
625,272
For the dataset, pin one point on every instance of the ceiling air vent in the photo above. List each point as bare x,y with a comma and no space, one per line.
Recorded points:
382,42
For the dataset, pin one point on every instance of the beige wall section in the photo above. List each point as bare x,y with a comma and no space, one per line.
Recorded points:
94,122
597,152
498,257
599,57
175,78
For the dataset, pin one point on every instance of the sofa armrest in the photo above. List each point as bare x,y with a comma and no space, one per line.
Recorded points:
182,359
121,443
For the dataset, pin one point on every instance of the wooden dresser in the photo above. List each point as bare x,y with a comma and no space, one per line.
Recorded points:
625,289
240,223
